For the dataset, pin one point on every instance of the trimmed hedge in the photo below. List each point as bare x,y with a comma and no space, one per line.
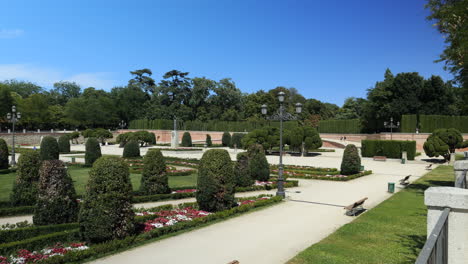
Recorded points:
19,234
226,139
106,211
19,210
131,150
186,140
409,123
93,151
351,163
208,141
49,148
242,170
258,164
25,186
216,181
106,248
389,148
154,178
56,197
64,144
350,126
236,140
3,155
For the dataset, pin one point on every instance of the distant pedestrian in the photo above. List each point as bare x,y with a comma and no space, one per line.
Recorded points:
344,138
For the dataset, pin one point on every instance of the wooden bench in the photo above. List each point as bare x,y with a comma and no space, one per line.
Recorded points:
429,167
405,180
234,262
355,207
380,158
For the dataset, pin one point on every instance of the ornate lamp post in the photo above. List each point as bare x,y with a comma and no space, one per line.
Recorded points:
175,136
281,115
122,124
13,117
391,125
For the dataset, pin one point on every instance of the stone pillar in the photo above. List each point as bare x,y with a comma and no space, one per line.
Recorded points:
51,131
439,198
465,155
404,155
459,166
24,131
38,131
452,158
9,131
174,139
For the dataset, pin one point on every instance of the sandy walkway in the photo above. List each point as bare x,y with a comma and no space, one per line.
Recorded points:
276,234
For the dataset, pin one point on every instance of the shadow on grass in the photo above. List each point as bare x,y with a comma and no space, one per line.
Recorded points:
414,243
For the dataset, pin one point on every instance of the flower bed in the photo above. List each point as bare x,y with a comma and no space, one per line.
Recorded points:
177,149
336,177
303,168
159,223
182,163
185,191
305,173
24,256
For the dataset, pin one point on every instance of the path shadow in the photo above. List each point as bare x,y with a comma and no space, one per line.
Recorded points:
437,161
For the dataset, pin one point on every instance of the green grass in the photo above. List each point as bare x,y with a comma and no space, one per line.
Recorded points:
392,232
80,178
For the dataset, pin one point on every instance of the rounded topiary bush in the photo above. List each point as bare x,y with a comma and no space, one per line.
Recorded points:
351,163
216,181
154,178
226,139
258,164
151,138
93,151
242,170
3,154
106,211
64,144
209,143
27,177
131,150
56,199
186,140
49,148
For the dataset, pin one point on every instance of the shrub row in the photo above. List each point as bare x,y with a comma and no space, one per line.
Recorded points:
19,234
350,126
21,210
39,242
390,148
348,178
106,248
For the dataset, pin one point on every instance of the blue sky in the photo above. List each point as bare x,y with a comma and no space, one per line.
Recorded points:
328,50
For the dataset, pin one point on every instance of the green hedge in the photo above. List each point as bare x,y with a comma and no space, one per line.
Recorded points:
39,242
21,210
106,248
409,123
350,126
19,234
389,148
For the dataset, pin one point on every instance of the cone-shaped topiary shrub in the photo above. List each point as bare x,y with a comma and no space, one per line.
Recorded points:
258,164
351,163
49,148
64,144
186,140
151,138
93,151
216,181
106,212
242,170
131,150
3,155
56,199
154,178
226,139
208,141
27,178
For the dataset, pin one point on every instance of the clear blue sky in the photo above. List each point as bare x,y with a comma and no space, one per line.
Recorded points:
328,50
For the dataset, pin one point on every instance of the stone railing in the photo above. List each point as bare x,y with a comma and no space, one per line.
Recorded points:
447,221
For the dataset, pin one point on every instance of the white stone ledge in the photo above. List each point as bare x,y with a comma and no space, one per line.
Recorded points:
451,197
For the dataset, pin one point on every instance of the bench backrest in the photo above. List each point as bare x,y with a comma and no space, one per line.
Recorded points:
356,204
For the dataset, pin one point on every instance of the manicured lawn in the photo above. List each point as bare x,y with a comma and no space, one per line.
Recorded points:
80,178
392,232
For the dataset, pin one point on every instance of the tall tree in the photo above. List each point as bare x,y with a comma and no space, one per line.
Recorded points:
142,79
64,91
23,88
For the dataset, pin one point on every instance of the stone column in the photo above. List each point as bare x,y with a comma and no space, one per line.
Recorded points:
38,131
459,167
439,198
24,131
174,139
452,158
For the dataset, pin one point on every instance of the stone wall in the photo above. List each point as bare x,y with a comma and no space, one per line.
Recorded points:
164,136
30,138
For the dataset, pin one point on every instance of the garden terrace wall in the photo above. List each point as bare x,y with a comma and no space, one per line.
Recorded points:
31,138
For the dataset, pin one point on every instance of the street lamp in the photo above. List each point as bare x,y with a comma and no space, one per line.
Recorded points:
13,117
175,136
391,125
122,124
281,115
